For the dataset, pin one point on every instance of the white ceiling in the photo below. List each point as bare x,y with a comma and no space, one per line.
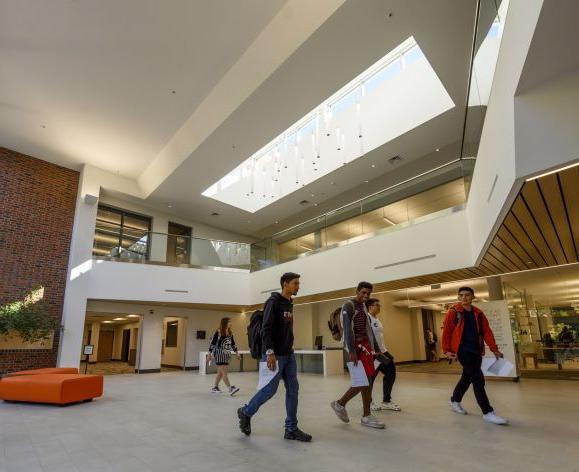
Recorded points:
92,82
99,76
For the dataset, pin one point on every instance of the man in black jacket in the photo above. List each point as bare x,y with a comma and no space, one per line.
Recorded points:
278,338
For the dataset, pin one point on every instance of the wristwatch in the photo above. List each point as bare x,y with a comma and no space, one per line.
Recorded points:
269,352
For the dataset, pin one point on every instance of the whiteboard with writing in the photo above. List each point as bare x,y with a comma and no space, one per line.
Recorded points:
497,313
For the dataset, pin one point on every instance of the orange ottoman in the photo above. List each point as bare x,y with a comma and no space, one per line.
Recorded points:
60,389
49,370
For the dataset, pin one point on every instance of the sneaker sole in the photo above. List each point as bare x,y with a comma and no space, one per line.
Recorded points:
234,392
374,426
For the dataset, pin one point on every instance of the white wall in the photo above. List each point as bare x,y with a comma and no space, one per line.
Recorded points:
494,184
143,282
447,237
174,356
546,124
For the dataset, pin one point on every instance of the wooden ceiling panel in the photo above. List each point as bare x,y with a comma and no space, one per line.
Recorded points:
522,238
528,224
570,183
552,192
533,198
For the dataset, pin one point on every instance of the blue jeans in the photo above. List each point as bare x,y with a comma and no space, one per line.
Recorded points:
289,373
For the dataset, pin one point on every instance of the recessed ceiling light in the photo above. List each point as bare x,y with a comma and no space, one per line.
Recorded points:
366,181
313,194
107,321
119,319
437,149
276,222
132,316
315,204
373,165
169,205
332,183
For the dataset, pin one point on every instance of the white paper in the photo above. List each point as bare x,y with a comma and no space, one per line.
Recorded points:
358,375
497,367
265,374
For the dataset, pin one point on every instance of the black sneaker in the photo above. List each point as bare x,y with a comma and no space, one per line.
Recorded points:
244,422
297,435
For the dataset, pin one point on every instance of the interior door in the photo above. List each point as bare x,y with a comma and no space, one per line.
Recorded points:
178,244
105,351
125,345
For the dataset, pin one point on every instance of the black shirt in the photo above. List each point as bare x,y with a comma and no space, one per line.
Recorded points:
277,327
470,341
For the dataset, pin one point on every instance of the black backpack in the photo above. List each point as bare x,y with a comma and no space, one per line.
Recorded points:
254,334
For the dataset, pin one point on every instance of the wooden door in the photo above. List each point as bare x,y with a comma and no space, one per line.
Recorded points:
105,351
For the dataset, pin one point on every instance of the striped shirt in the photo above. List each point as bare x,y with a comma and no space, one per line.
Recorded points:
360,323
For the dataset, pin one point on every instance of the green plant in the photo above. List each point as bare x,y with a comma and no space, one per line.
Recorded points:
30,319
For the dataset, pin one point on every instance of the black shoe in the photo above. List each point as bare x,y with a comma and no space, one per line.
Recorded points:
298,435
244,422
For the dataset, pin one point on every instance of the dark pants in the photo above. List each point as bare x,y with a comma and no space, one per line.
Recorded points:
389,371
288,372
472,374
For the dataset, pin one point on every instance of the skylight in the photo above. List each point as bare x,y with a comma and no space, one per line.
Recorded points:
396,94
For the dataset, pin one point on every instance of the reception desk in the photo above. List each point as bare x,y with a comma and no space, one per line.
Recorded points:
325,362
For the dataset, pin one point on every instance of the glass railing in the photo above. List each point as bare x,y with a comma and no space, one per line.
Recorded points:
402,204
170,249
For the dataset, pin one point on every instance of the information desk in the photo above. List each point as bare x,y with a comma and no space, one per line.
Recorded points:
326,362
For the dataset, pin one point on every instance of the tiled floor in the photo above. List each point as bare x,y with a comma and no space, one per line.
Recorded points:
170,422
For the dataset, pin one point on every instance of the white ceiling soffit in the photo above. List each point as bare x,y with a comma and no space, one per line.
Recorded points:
396,94
296,21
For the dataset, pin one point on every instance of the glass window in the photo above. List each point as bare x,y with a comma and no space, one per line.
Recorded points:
415,54
346,101
121,234
383,75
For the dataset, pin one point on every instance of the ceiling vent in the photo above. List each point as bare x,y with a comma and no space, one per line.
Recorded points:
304,202
395,160
435,286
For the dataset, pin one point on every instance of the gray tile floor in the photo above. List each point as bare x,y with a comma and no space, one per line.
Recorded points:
170,422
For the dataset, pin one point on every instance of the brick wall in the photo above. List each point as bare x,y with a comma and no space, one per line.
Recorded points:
37,204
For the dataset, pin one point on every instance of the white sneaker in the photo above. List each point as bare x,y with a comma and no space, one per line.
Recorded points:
340,411
457,408
233,390
372,422
375,406
493,418
390,406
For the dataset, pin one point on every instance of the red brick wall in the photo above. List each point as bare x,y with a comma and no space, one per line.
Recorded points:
37,204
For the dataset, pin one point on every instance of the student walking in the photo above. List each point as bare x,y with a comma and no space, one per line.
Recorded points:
360,344
220,349
466,329
431,341
385,359
277,341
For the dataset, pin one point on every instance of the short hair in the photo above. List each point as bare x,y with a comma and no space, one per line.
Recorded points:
372,302
466,289
367,285
288,277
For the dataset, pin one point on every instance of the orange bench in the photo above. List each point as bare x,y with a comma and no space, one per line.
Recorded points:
60,389
49,370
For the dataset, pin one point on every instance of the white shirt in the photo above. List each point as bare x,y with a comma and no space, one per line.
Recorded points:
378,331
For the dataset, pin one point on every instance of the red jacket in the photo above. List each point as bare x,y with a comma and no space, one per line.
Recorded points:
452,331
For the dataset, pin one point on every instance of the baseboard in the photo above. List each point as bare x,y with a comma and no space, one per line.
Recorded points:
193,367
147,371
171,366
